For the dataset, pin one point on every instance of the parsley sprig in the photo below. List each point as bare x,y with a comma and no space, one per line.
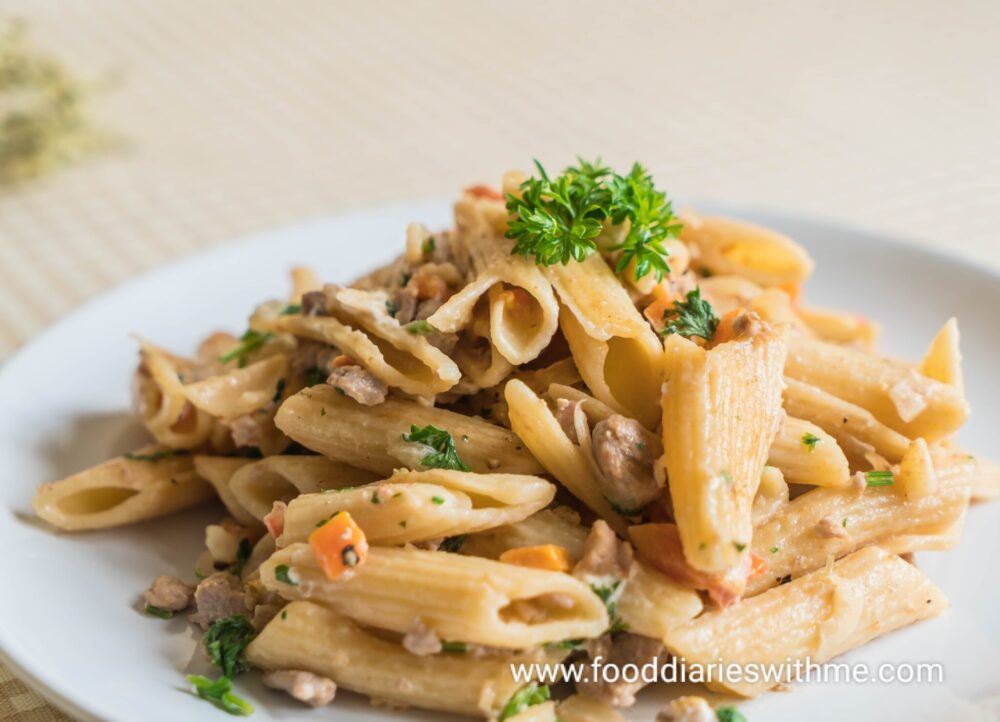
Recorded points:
558,219
226,642
220,693
691,317
444,454
249,342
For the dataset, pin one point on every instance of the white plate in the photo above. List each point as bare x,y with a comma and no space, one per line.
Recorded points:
70,620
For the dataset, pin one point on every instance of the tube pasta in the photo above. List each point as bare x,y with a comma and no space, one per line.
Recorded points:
617,353
304,279
772,496
523,311
806,454
460,598
240,391
481,362
986,481
819,616
413,506
721,411
258,485
162,404
840,327
825,522
122,491
854,428
943,360
730,247
896,395
491,402
533,422
372,437
218,471
653,605
320,640
582,708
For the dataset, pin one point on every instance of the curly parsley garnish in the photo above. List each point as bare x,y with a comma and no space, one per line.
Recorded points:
525,697
249,342
558,219
692,317
220,693
226,641
444,454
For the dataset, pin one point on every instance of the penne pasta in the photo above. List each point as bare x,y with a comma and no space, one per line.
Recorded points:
240,391
819,616
721,411
806,454
839,326
152,483
415,506
544,527
895,394
162,404
218,471
318,639
943,360
460,598
372,437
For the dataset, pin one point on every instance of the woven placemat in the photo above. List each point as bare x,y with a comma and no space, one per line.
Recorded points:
242,116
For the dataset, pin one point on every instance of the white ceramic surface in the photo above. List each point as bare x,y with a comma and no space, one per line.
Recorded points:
70,620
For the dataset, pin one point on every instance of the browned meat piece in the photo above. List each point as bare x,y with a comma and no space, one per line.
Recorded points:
306,687
625,452
565,413
358,384
169,593
314,304
421,640
217,596
604,554
402,304
627,649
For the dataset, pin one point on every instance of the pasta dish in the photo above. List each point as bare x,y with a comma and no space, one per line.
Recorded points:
574,433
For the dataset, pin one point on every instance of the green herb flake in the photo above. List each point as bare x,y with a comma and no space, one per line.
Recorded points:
281,573
402,524
437,500
879,478
775,550
609,594
249,342
421,328
810,441
729,714
525,697
284,614
242,554
158,612
844,523
691,317
322,411
444,455
454,647
291,309
739,546
392,308
220,693
156,455
279,391
226,642
375,498
314,376
428,246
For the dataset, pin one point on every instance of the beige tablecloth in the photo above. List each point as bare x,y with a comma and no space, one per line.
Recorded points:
244,115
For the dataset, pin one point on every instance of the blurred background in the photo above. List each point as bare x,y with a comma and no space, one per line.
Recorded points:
216,119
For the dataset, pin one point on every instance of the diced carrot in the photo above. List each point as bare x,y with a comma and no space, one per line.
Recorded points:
344,360
663,299
484,191
547,556
726,330
758,565
339,545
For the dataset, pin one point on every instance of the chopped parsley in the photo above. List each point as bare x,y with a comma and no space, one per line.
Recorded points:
774,550
453,543
566,644
291,309
284,614
810,441
226,642
609,594
314,376
402,524
376,499
158,612
249,342
879,478
220,693
437,500
428,246
454,647
525,697
729,714
844,523
279,391
392,308
242,554
322,411
444,454
691,317
281,573
558,219
421,328
156,455
740,546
